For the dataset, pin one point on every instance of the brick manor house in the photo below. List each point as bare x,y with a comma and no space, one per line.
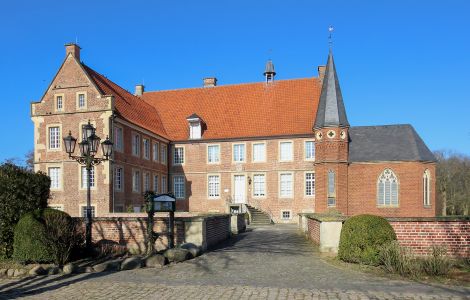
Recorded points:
282,146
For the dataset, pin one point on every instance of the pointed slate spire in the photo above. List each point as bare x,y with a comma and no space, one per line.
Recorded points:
331,111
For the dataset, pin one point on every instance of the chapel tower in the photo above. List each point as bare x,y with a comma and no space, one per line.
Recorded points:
331,156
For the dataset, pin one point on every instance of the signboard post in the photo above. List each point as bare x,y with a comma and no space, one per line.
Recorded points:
160,203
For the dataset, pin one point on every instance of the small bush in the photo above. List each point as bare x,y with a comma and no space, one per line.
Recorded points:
437,263
21,191
362,238
47,235
399,260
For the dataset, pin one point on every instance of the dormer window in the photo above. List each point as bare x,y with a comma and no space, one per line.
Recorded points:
195,127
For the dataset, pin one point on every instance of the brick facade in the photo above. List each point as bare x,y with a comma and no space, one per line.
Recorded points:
313,230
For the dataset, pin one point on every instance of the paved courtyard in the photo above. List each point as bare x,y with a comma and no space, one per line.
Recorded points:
272,262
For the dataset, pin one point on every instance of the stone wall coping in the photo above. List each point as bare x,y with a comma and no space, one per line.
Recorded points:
142,217
325,217
338,218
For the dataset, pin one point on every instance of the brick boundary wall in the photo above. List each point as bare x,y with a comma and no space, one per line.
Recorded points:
314,230
130,230
420,234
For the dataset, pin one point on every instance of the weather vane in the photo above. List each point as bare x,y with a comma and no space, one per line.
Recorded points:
330,38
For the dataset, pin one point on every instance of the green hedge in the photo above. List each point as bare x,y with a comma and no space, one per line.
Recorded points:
46,235
362,237
21,191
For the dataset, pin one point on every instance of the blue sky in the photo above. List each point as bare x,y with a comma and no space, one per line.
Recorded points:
398,61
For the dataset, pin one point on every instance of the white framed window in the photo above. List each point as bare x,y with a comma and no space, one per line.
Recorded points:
59,103
54,175
213,154
259,152
286,185
178,156
238,152
136,144
155,151
54,137
285,151
118,139
85,177
164,184
331,188
195,130
309,150
83,211
427,188
81,100
259,185
146,143
285,214
136,181
310,184
118,178
387,189
213,189
163,154
146,181
179,186
155,183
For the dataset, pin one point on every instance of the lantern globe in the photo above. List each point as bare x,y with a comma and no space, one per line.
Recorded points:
69,142
88,130
94,142
84,146
107,147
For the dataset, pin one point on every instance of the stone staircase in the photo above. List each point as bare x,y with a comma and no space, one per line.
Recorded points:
258,217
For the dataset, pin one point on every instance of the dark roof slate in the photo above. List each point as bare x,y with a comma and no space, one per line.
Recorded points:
331,111
387,143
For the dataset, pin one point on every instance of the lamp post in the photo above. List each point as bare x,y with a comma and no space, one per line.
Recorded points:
88,149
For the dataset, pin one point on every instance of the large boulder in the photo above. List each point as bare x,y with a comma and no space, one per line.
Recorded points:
110,265
176,254
193,249
37,270
69,268
130,263
155,261
53,270
3,272
19,272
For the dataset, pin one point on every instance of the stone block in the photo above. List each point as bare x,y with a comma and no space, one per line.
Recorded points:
110,265
69,268
155,261
37,270
177,254
194,250
130,263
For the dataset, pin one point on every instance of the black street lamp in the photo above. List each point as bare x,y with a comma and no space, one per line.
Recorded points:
88,149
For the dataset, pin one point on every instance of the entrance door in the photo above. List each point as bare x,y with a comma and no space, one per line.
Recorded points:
239,189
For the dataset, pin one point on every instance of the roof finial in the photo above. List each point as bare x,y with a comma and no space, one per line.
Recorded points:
330,37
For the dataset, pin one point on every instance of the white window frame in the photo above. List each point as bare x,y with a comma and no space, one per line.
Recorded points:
155,151
59,138
163,154
57,187
306,152
146,181
291,158
82,172
215,192
118,184
254,190
179,179
181,156
281,194
195,130
331,194
156,183
253,156
56,102
233,152
217,155
164,185
287,211
136,150
146,148
83,210
136,180
77,96
306,183
118,138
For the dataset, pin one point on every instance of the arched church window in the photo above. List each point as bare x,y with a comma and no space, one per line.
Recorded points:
387,189
427,188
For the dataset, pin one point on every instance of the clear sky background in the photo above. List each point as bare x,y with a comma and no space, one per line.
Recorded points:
398,61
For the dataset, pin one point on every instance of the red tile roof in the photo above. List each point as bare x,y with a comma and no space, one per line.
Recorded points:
284,107
128,106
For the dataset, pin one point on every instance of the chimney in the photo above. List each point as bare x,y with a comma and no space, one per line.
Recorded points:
139,90
321,72
210,81
74,49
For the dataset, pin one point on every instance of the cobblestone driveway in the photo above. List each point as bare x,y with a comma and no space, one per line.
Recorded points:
272,262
